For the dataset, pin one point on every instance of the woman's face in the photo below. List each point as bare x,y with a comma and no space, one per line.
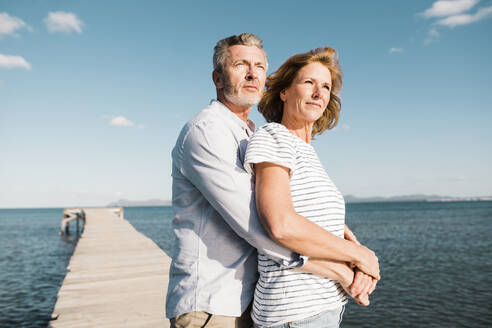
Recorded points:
308,95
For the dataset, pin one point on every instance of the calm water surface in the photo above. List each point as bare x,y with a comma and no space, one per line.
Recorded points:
33,261
435,260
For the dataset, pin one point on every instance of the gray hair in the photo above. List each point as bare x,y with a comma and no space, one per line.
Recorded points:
221,50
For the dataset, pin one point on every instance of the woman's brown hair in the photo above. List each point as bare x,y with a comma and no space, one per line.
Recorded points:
272,107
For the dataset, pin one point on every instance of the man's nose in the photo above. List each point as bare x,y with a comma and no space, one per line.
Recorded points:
252,73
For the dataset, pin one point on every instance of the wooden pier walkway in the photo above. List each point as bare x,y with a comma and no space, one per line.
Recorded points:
117,277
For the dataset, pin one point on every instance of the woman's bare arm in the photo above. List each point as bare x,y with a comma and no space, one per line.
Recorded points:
291,230
335,270
356,284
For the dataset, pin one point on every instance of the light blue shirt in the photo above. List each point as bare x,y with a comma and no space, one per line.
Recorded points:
214,266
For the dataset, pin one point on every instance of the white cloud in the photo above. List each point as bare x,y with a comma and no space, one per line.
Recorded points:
456,178
432,36
451,13
443,8
394,49
121,121
433,32
60,21
13,62
465,19
10,24
343,128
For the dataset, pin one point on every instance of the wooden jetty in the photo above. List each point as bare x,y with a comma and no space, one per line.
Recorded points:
117,277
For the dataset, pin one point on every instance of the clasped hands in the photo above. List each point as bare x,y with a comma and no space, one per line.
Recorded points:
362,284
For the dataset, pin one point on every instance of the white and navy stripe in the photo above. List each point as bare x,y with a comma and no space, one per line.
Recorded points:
284,294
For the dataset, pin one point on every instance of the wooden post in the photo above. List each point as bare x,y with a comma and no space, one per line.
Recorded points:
69,215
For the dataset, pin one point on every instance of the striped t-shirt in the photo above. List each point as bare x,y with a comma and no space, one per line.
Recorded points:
284,294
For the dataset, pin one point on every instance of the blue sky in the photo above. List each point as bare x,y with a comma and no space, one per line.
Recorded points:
93,93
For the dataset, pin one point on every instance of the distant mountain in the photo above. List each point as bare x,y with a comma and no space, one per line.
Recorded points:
404,198
136,203
348,199
411,198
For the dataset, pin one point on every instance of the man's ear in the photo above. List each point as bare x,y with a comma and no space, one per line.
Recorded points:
218,80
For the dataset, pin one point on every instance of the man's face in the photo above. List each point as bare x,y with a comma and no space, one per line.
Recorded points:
244,75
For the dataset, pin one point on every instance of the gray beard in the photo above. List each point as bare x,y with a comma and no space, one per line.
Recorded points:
234,98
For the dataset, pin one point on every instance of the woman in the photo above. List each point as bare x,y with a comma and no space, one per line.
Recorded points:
301,100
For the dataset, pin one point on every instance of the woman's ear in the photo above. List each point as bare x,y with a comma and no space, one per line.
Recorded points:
282,95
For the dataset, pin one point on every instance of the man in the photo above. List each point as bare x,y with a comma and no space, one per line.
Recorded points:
213,272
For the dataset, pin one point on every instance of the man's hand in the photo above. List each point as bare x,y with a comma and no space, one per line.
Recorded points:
362,286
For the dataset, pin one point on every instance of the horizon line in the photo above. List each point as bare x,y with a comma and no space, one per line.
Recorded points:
435,198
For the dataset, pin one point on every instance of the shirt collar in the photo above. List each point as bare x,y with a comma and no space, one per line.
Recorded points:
249,125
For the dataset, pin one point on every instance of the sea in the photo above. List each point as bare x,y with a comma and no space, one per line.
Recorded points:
435,259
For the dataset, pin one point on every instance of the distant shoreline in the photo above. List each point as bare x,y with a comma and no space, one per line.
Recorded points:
423,200
348,200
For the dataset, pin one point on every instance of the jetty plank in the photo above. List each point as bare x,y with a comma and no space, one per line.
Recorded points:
117,277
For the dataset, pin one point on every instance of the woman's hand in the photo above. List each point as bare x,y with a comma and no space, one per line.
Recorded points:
367,262
349,235
363,285
367,259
